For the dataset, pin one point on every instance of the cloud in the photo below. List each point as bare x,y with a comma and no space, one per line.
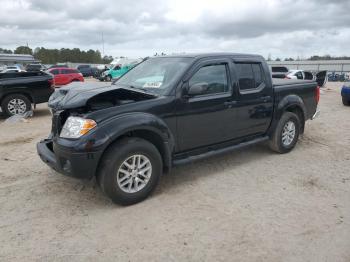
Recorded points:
139,28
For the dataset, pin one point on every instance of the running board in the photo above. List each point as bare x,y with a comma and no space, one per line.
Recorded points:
216,152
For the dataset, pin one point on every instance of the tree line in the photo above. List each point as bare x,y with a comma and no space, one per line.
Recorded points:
53,56
312,58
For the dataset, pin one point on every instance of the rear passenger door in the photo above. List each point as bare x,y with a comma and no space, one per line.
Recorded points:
255,99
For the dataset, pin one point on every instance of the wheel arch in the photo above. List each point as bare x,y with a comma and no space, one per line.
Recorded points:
148,127
26,94
296,109
290,103
149,135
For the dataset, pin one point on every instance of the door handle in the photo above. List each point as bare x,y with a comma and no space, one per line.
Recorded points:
265,98
229,104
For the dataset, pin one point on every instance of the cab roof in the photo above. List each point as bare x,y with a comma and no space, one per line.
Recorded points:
214,54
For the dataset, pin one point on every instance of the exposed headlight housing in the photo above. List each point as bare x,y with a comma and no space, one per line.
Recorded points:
75,127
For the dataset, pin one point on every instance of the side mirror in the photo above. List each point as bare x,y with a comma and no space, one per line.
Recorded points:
197,89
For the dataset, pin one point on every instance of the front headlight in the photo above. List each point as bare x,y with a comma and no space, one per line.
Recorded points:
75,127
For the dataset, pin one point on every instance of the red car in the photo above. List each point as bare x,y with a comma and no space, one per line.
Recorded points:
63,76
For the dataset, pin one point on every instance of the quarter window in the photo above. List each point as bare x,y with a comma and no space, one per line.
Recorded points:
214,76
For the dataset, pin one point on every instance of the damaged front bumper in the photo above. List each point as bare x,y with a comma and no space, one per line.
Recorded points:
67,162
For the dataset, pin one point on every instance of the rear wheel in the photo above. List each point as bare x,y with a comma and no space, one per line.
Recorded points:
346,102
15,104
286,133
130,171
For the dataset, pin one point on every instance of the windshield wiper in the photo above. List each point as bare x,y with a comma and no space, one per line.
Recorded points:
141,88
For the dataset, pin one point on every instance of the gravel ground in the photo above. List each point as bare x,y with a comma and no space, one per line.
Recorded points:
250,205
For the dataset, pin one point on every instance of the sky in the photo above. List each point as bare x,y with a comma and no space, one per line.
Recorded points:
138,28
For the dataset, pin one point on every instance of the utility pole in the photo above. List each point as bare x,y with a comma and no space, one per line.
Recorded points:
103,45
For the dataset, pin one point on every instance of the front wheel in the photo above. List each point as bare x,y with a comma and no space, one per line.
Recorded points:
346,102
108,78
130,171
286,133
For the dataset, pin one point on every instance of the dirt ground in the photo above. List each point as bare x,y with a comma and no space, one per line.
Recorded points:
250,205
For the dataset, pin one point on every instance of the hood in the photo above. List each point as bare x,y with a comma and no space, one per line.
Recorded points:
77,95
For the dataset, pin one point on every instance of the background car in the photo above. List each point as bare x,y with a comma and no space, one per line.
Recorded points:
87,70
12,69
115,72
63,76
345,94
299,74
320,77
34,67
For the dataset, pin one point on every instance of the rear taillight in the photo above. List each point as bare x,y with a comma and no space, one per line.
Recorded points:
317,94
52,83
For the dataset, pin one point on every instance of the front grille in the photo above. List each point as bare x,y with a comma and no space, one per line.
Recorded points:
58,120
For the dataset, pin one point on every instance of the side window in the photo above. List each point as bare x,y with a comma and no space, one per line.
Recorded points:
245,76
55,72
299,75
215,76
250,75
66,71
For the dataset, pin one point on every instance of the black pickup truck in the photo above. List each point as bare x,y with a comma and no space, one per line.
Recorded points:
18,91
172,110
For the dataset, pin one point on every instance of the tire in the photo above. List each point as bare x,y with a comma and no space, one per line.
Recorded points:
346,102
108,78
283,140
112,180
15,104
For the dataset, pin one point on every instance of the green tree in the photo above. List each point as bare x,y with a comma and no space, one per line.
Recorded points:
25,50
107,59
5,51
75,55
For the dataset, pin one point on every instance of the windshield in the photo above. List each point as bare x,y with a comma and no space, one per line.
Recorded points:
155,75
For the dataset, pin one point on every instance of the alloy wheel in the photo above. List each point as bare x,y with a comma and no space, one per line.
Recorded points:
134,173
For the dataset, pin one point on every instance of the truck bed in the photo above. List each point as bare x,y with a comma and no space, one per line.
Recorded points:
301,89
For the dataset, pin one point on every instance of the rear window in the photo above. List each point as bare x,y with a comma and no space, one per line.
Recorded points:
34,66
276,69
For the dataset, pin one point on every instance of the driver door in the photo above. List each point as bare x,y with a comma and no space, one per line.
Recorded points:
207,118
